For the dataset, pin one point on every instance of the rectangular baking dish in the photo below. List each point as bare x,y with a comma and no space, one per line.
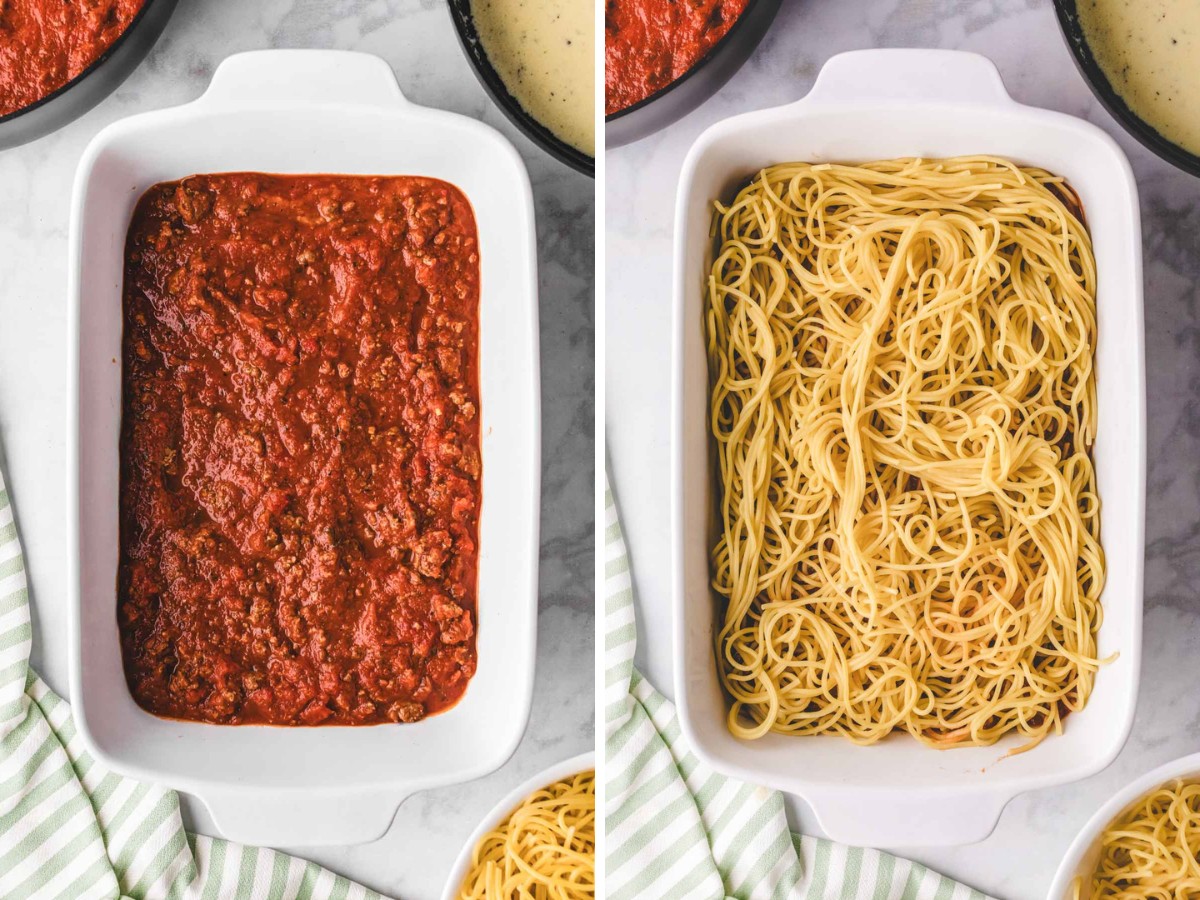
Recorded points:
301,111
880,104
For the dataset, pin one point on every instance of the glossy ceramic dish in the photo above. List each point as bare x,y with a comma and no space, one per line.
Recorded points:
933,103
1084,851
303,111
700,82
501,810
91,85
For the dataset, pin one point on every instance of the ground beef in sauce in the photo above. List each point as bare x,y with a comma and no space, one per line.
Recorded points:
46,43
300,458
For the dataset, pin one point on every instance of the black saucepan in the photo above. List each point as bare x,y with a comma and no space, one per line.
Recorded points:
700,82
91,85
1068,20
468,36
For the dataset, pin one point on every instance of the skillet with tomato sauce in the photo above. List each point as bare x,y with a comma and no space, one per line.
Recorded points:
46,43
649,44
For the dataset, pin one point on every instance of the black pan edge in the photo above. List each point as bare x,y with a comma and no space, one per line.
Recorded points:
468,37
1072,32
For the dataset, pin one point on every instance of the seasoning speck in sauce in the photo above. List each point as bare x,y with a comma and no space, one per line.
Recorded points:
651,43
1150,53
300,458
46,43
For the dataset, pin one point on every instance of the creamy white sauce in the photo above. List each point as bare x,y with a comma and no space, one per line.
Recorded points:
544,50
1150,52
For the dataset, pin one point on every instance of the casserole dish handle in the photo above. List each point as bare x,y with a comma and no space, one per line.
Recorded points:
300,818
948,76
289,78
914,818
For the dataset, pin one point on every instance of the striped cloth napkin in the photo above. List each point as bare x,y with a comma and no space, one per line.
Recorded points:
675,829
71,829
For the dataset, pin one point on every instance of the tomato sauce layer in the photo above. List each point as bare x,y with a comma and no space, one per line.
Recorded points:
300,458
46,43
650,43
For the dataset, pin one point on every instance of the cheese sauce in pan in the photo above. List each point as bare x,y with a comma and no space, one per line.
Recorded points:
1150,53
543,50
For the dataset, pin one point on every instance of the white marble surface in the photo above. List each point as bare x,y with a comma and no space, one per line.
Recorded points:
417,38
1022,37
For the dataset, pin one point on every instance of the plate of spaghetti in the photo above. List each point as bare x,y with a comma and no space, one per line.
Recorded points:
1143,843
538,842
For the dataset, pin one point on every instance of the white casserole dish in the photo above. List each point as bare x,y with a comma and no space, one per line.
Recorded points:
879,104
1084,851
501,810
317,112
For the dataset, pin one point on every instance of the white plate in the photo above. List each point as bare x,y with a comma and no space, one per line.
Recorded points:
304,111
1084,851
501,810
878,104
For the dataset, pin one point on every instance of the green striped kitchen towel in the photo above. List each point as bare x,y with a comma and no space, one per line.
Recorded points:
71,829
675,829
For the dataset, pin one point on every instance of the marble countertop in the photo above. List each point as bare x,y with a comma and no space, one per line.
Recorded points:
417,38
1022,38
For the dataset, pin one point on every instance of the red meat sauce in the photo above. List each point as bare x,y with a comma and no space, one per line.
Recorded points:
300,459
46,43
648,44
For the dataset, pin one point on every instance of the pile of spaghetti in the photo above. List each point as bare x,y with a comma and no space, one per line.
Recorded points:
904,405
544,850
1152,850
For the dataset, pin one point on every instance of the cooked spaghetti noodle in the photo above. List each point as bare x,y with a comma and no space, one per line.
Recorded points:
1152,850
544,850
904,405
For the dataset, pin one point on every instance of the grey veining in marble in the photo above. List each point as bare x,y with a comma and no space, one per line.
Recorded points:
1022,38
417,38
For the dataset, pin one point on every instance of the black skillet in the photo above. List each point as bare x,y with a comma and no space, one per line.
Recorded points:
91,85
700,82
